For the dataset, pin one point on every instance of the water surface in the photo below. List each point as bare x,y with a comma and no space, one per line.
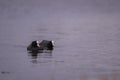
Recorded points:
86,35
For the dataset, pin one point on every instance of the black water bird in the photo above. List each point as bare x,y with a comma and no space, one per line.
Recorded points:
43,45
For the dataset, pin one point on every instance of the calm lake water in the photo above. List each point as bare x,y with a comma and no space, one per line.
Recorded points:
86,35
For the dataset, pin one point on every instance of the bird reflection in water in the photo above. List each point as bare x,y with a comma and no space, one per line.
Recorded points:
35,55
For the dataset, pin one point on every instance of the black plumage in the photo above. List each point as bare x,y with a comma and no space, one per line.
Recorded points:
43,45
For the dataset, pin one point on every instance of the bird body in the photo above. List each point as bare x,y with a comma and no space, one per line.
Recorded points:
43,45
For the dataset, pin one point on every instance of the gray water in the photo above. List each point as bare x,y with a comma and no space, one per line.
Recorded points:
86,35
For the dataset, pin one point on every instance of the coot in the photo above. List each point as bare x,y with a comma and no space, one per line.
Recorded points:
43,45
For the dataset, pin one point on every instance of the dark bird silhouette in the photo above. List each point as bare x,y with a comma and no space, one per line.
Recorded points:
43,45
